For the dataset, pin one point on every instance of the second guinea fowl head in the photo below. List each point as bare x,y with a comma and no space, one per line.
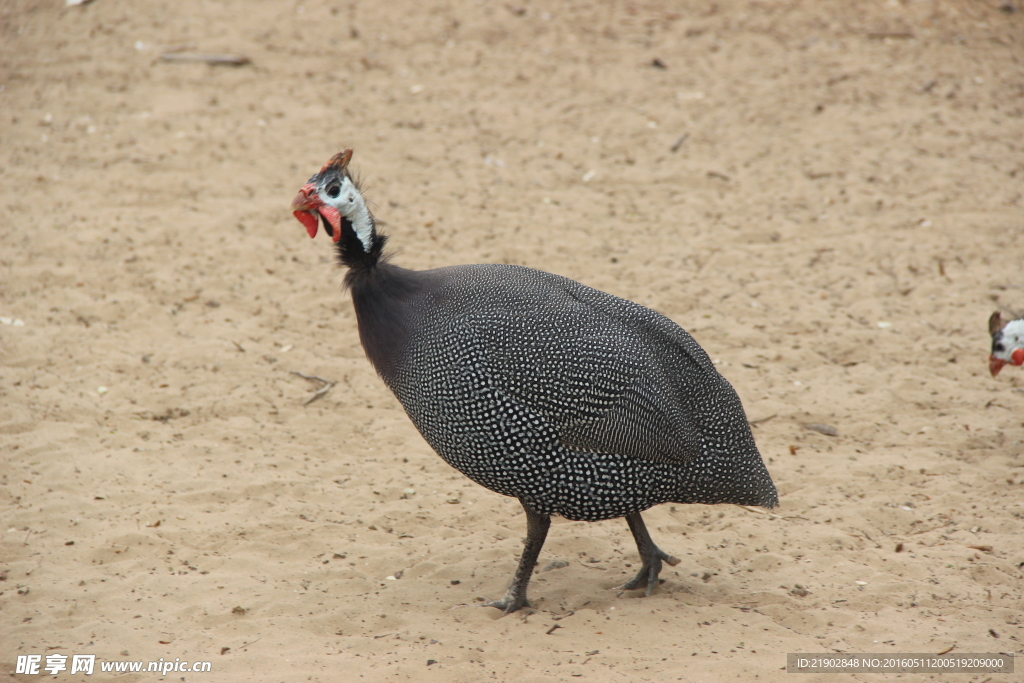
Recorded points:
333,197
1007,342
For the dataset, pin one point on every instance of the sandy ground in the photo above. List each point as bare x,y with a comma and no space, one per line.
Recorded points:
828,195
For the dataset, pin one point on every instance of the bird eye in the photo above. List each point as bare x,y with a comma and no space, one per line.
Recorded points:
333,190
998,347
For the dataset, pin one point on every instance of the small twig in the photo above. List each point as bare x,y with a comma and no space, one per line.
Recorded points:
319,393
181,47
763,419
892,35
827,430
679,142
311,378
591,566
552,629
769,514
249,643
230,60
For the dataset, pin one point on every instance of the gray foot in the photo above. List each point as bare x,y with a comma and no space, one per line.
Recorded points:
509,603
648,574
651,555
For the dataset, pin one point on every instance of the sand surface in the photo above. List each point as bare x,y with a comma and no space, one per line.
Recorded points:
827,195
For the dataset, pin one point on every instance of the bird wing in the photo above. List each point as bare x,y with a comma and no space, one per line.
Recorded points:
611,376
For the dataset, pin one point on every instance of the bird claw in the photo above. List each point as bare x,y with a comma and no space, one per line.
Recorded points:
648,574
508,603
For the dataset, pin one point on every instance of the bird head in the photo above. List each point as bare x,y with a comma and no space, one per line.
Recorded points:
1007,342
329,196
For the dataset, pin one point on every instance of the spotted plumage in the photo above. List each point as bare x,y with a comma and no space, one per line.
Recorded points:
574,401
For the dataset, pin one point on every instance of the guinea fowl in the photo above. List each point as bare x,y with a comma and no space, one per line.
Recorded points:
576,402
1007,342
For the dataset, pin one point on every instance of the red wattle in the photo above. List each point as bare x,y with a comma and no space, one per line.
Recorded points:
308,219
1017,357
332,216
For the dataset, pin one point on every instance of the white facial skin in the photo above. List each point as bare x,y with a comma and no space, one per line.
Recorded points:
1010,338
342,194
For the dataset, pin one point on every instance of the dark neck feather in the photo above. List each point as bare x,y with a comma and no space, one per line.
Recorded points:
384,300
353,255
383,296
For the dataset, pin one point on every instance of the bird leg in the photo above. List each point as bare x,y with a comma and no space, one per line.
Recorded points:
651,555
515,597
